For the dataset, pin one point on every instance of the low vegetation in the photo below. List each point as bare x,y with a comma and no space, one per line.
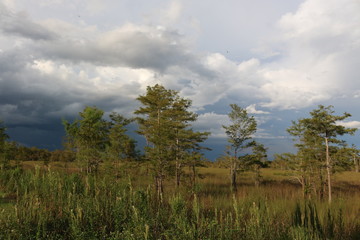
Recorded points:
42,203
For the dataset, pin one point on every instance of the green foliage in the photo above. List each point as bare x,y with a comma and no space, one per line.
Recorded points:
121,146
165,121
256,161
62,156
319,148
94,139
89,136
324,123
241,129
239,134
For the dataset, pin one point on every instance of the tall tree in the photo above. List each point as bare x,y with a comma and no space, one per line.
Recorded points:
156,128
307,164
180,118
322,129
239,134
164,120
189,152
89,136
185,141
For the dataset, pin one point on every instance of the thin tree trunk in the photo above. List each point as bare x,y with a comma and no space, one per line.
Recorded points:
356,164
328,168
177,165
321,185
257,175
178,174
233,169
193,177
159,187
301,179
233,176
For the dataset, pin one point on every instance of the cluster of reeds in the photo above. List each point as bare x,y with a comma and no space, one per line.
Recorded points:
54,205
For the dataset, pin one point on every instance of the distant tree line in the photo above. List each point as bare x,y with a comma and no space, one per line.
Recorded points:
11,150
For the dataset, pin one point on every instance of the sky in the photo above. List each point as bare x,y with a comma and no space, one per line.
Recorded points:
278,59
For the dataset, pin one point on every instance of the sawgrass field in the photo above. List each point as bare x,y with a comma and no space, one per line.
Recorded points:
58,201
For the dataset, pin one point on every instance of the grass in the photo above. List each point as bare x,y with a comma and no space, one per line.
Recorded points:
62,203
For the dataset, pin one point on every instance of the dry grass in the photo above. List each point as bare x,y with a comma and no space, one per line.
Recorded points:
118,203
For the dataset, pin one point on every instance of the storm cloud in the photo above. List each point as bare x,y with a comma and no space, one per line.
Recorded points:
56,57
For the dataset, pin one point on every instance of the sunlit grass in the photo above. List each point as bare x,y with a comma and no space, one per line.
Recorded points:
59,202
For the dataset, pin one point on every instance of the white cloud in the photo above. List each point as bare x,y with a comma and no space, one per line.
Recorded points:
350,124
263,134
45,67
319,49
213,123
251,109
307,71
130,45
97,83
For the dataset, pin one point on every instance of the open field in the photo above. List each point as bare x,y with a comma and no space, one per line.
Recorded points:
59,202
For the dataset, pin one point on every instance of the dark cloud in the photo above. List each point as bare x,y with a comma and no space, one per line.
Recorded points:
52,68
130,46
33,104
27,96
19,24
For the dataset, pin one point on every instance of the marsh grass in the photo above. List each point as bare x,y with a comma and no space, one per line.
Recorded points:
53,204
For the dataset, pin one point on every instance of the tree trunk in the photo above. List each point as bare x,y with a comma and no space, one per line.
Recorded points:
356,164
177,165
321,185
303,185
178,174
257,175
233,176
159,187
193,177
328,168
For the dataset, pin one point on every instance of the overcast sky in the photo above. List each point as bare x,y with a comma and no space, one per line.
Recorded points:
279,59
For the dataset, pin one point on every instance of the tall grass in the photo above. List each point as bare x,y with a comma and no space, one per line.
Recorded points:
56,205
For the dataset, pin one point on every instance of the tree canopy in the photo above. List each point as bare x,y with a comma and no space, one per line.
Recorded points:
165,121
240,133
316,135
